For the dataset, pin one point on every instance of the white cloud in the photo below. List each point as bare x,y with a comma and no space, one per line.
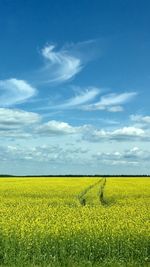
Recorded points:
42,153
61,128
111,102
121,134
15,123
60,66
128,131
115,99
14,117
133,156
56,128
14,91
115,109
89,133
84,97
140,119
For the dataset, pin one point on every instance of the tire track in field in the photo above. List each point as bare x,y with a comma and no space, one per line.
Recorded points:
101,192
82,195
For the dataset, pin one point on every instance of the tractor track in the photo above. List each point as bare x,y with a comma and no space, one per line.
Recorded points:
82,195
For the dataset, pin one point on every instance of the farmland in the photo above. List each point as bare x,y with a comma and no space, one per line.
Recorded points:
74,222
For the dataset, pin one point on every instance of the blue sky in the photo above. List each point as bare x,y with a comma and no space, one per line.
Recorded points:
74,87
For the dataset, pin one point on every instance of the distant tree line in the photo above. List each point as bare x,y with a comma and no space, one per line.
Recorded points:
71,175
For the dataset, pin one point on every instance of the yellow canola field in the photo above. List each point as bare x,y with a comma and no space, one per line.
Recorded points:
69,222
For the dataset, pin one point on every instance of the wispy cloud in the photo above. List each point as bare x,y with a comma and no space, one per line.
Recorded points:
60,65
115,109
84,97
63,63
14,91
111,102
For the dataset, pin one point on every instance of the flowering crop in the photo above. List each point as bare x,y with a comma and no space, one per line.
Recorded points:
45,222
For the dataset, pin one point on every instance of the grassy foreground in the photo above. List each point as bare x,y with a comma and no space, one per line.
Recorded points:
74,222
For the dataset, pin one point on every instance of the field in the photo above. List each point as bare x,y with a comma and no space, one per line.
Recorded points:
74,222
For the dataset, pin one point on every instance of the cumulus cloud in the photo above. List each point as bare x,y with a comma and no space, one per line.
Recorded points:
41,153
14,91
14,122
121,134
111,102
15,117
132,156
60,66
89,133
140,119
128,131
56,128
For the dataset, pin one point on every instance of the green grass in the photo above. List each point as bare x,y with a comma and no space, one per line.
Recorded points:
45,222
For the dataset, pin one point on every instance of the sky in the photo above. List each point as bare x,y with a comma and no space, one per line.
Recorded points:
74,87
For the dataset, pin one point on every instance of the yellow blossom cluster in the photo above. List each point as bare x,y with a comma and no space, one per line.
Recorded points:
45,222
